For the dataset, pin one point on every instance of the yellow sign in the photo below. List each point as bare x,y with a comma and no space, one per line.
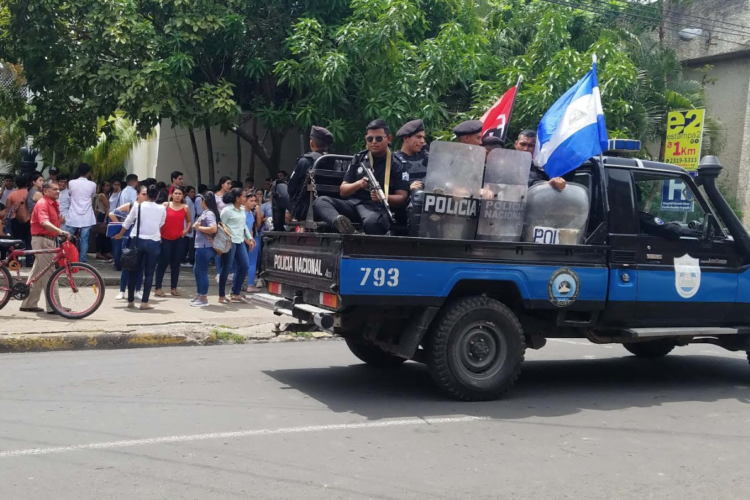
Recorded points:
684,139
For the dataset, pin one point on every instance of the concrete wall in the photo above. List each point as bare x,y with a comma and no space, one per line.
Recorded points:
175,153
726,46
727,99
713,17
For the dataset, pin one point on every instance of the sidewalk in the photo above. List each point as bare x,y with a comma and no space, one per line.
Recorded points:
112,277
113,325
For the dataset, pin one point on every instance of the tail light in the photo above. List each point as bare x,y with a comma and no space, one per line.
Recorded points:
329,300
274,288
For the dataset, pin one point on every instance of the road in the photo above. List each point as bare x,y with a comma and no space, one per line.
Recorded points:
305,421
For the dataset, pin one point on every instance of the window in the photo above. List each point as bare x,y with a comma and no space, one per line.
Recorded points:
668,198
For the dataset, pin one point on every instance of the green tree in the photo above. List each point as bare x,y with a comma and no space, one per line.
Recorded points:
291,63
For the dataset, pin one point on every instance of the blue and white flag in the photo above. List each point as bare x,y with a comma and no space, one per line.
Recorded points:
573,129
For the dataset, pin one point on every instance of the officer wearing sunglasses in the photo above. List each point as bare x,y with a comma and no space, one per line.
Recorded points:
358,204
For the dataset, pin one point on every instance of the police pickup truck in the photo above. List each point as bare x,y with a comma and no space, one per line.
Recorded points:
632,252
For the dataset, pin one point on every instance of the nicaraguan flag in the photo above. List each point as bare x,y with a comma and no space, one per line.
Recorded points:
573,129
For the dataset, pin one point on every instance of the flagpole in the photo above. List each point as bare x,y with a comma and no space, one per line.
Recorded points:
601,163
510,115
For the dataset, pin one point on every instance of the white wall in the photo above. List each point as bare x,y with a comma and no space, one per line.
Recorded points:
174,152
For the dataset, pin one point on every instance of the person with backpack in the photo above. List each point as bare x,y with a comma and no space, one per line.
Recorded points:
18,213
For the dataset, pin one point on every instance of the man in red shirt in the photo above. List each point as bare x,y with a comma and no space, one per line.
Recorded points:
45,227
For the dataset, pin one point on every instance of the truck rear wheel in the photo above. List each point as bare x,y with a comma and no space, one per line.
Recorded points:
372,354
652,349
476,349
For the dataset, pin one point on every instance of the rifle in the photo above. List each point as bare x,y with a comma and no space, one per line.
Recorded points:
375,187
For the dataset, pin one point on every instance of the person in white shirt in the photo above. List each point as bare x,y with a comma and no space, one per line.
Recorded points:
81,213
130,193
64,199
146,219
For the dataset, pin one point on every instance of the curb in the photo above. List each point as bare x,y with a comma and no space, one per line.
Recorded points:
87,341
109,341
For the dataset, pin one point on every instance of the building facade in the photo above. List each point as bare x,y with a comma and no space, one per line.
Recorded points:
717,33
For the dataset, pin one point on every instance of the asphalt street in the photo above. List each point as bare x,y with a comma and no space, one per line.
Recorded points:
307,421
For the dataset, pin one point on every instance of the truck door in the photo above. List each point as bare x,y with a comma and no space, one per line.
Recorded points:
682,278
623,241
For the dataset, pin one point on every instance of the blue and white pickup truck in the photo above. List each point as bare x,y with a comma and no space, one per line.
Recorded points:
469,309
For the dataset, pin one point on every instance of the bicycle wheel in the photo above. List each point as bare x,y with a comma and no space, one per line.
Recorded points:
6,283
76,291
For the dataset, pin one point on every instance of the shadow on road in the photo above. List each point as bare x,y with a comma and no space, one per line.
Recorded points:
545,388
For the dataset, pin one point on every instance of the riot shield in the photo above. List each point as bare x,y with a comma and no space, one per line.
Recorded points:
556,217
450,207
506,180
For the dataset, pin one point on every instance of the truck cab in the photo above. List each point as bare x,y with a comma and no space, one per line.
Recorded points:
660,262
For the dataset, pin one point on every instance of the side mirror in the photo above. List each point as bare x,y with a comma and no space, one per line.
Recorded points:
708,227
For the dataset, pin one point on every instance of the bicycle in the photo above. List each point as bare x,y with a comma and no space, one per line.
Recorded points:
74,291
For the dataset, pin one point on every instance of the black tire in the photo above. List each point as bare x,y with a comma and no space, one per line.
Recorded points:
91,275
6,282
373,355
652,349
476,349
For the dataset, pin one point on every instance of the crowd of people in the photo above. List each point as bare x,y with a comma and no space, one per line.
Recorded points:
173,226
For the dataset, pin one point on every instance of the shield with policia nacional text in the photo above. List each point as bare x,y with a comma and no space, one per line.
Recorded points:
506,179
450,208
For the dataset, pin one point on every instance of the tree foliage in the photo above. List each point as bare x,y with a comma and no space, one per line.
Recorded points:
339,63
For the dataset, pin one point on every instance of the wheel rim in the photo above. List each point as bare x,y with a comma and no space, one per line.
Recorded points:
481,350
5,288
77,293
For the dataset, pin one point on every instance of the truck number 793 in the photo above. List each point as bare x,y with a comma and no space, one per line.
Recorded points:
380,276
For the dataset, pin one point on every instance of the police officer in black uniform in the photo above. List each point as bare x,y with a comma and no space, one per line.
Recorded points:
291,195
469,132
413,153
492,142
358,203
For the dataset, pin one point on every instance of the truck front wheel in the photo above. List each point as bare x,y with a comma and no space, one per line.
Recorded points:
372,354
652,349
476,349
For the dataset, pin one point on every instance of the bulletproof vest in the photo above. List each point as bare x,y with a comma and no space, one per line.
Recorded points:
312,156
415,165
301,200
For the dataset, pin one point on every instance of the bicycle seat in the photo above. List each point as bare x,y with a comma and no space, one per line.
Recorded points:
12,243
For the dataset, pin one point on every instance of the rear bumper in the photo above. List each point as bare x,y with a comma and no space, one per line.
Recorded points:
306,313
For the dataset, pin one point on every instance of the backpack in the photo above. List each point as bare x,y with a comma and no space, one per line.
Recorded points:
21,211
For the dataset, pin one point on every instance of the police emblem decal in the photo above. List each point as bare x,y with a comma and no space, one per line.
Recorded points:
687,276
563,287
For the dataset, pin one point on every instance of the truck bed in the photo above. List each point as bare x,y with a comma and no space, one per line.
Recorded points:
388,270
